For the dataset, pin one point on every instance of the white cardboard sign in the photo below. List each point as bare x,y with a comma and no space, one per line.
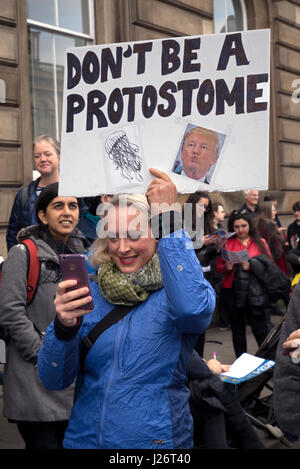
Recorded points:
128,107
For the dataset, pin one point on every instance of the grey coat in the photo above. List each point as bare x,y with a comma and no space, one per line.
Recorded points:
286,378
25,397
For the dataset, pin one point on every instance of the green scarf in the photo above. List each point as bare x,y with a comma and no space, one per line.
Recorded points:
129,289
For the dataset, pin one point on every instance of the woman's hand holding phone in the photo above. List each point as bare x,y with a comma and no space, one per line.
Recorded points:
70,304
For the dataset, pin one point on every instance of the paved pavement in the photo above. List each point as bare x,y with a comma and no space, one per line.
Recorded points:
216,341
9,435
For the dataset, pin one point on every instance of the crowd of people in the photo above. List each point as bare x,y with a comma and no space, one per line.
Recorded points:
144,382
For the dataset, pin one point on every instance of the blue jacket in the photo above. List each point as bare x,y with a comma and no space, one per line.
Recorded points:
22,213
134,393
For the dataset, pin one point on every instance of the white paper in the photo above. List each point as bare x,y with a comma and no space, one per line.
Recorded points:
243,365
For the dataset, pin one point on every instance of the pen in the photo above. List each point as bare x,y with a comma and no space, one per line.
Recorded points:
214,355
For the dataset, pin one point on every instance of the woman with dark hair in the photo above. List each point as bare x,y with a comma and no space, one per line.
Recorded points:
201,204
200,228
207,252
267,229
235,284
41,416
271,198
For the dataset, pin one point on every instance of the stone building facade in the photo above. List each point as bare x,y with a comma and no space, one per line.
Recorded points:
132,20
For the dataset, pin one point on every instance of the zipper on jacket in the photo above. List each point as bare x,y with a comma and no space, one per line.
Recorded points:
110,379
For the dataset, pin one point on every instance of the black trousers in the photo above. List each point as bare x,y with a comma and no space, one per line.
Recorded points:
238,319
209,428
218,429
43,435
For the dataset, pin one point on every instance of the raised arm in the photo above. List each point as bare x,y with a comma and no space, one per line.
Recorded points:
190,297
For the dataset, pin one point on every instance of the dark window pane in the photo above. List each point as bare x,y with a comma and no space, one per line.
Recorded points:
47,78
47,57
235,16
41,10
42,82
74,15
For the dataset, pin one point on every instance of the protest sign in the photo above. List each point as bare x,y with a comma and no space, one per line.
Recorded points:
195,107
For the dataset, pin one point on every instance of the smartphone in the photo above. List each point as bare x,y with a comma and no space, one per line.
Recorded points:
73,267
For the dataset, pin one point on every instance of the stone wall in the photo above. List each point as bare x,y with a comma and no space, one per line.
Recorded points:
15,108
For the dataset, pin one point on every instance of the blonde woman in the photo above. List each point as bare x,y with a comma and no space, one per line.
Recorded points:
134,392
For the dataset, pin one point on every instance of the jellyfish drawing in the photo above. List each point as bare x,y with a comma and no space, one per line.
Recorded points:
124,155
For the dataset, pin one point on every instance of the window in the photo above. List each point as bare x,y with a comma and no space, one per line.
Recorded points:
229,15
54,26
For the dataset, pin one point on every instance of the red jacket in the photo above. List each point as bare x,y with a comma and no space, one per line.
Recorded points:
233,244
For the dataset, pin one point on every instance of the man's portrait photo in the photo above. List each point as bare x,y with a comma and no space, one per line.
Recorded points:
199,151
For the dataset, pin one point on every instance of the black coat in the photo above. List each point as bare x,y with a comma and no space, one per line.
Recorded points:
210,395
206,388
293,234
263,284
275,281
249,290
293,257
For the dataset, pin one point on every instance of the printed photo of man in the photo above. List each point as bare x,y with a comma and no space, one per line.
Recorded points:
199,152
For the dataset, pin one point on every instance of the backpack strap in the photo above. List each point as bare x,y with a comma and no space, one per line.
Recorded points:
33,275
111,318
24,196
33,269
